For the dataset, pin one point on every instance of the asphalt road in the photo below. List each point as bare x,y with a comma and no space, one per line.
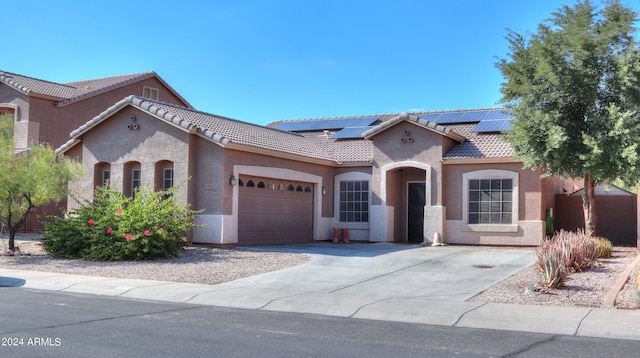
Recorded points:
42,323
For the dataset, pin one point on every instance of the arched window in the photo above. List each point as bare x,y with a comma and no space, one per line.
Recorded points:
240,182
250,184
164,175
261,185
307,189
101,174
290,187
299,188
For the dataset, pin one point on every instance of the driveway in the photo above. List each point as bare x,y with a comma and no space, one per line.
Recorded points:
343,279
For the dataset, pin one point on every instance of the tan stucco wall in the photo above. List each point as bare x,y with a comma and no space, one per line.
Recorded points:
407,142
56,122
527,230
112,142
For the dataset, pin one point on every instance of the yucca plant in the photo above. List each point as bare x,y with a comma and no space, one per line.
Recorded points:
551,264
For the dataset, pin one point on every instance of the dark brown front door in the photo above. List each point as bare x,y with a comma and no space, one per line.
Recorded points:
415,212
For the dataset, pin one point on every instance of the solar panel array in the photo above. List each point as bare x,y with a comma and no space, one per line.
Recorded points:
493,120
325,124
465,116
351,132
492,125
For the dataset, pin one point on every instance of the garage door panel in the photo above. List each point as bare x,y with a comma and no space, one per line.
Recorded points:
267,216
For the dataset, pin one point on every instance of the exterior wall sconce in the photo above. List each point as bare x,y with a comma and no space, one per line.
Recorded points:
232,181
324,190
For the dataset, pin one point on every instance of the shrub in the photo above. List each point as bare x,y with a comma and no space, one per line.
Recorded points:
577,248
604,247
114,227
551,264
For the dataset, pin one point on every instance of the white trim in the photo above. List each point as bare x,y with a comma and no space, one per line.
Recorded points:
350,176
276,173
490,174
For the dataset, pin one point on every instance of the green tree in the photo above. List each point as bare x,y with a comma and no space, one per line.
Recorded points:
29,178
574,90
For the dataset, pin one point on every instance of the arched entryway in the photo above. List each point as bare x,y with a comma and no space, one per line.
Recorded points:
406,194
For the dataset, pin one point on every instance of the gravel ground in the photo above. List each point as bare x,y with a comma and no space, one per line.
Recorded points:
209,265
582,289
195,264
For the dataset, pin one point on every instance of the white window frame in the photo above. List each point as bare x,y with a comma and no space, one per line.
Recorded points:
153,92
490,174
350,176
135,182
165,178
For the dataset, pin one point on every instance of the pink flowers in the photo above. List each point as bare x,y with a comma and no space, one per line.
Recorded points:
146,233
109,230
90,222
128,236
119,212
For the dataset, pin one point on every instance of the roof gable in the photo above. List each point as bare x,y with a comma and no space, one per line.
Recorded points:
65,93
414,119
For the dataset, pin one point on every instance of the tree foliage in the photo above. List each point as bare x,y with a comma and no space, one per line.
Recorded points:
574,90
29,178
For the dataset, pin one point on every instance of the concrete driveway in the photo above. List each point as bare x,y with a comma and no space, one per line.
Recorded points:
342,280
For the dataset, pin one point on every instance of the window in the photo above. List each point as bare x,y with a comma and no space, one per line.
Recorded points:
354,201
167,179
150,92
135,180
490,201
106,176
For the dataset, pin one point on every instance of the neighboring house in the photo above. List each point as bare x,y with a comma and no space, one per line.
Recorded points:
398,178
46,112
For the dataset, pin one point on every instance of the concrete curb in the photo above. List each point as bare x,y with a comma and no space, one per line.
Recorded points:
610,299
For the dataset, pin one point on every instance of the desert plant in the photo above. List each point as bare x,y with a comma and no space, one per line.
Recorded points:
113,227
604,247
551,264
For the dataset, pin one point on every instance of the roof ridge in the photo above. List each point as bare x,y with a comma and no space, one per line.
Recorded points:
137,74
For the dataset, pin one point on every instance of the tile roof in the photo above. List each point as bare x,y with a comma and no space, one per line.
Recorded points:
308,144
64,93
226,131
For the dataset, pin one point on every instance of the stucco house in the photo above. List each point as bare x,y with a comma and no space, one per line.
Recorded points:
46,112
405,177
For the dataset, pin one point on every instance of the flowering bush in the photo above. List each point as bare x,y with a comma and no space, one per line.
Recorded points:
114,227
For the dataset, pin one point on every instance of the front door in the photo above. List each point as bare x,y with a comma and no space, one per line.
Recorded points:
415,212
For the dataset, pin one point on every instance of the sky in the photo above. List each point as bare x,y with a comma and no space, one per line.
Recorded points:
266,60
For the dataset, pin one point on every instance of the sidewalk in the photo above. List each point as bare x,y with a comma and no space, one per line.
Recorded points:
410,285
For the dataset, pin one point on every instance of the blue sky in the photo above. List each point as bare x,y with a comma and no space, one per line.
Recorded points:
266,60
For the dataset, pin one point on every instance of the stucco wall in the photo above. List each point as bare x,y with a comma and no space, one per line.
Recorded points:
56,122
528,229
112,142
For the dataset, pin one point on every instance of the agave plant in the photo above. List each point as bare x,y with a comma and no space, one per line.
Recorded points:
551,263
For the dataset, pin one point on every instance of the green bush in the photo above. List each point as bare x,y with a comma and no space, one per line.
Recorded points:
114,227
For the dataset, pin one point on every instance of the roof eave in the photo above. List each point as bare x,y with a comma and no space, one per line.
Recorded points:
486,160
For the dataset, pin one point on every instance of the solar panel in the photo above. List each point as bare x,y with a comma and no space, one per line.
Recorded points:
325,124
351,132
492,125
465,116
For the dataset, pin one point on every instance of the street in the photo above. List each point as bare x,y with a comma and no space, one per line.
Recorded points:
42,323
